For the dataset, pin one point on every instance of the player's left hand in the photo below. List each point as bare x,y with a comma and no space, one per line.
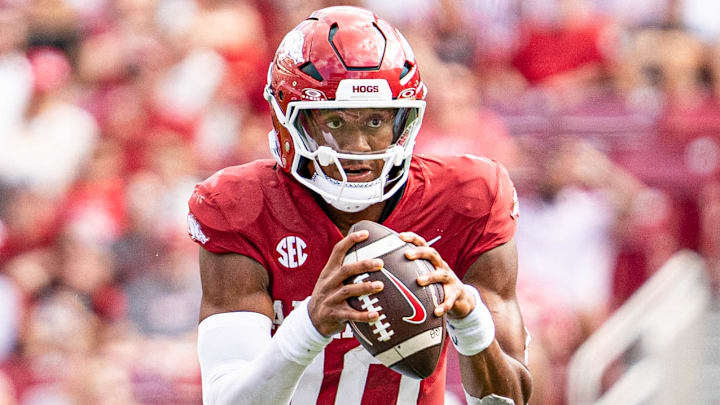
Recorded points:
458,303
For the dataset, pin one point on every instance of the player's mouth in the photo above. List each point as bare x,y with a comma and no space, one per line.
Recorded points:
359,173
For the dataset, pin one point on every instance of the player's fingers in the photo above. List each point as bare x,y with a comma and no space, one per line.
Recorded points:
341,248
412,237
347,313
427,253
440,276
451,295
355,290
353,269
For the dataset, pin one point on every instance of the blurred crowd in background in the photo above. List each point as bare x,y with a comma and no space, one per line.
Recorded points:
606,113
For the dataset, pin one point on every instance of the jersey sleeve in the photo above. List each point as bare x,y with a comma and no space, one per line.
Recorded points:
499,225
209,226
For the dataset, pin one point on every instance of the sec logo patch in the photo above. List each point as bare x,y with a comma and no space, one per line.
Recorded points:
292,252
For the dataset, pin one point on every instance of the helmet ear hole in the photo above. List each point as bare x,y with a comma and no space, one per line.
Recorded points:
281,95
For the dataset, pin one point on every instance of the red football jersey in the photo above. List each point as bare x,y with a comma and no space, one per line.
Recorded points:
468,204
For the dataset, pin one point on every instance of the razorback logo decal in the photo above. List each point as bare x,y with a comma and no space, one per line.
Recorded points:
195,231
419,314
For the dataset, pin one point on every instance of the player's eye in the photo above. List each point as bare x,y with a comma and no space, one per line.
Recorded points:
375,122
334,123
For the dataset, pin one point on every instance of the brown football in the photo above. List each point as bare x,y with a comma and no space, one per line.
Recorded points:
407,337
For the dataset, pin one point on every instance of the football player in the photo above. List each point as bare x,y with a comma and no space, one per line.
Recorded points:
347,102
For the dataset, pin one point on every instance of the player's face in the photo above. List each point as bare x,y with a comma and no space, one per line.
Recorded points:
352,130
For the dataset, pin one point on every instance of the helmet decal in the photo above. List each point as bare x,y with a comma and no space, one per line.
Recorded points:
407,93
313,95
291,47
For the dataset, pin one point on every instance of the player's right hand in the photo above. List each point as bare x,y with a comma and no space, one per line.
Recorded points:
328,307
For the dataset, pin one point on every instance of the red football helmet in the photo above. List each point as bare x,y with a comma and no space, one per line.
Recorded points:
344,59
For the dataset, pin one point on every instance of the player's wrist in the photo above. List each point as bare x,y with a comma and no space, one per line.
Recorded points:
324,329
298,338
464,305
474,332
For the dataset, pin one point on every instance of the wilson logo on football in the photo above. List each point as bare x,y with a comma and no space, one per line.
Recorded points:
419,314
292,252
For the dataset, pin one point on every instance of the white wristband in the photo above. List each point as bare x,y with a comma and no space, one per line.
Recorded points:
475,332
297,338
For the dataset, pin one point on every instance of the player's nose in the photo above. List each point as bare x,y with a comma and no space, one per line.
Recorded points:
356,141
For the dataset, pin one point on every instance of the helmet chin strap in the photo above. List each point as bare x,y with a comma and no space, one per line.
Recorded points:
371,191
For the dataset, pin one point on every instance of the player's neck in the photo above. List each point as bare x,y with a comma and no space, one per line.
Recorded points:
344,220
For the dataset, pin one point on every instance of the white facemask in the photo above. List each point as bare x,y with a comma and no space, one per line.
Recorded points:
371,191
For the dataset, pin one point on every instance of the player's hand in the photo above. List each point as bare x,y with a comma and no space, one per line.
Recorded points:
328,306
458,303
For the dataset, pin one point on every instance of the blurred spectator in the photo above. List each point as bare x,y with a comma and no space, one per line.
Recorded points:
450,114
45,151
30,220
16,77
667,65
87,269
60,332
579,210
574,201
94,207
53,22
157,194
552,56
101,381
565,48
189,86
647,238
710,237
7,392
10,314
155,200
32,272
164,298
556,332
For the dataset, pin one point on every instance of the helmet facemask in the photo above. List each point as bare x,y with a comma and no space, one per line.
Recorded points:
346,139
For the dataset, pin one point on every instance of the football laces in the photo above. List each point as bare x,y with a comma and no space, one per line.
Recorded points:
379,327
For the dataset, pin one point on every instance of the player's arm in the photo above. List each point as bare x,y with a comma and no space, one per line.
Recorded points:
485,323
499,369
239,360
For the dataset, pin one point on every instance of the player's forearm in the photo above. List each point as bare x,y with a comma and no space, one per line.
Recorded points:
489,375
494,372
240,363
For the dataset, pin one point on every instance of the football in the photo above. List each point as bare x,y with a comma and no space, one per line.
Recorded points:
407,337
